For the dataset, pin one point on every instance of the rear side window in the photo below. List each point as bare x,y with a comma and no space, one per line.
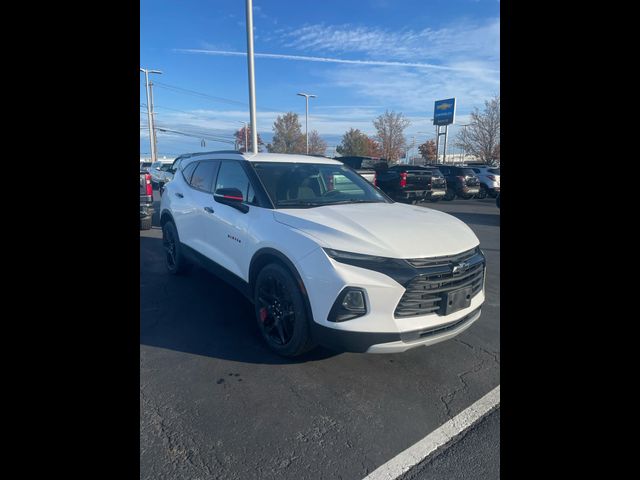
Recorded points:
232,175
204,174
188,171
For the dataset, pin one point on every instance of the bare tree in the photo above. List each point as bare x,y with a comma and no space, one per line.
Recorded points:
390,127
482,136
317,146
287,135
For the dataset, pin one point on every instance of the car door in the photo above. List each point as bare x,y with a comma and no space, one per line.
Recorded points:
227,228
202,206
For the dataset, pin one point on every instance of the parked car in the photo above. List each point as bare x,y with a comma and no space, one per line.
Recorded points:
145,166
146,200
324,256
158,172
412,183
489,180
461,182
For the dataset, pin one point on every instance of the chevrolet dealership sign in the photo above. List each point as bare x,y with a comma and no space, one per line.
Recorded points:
444,112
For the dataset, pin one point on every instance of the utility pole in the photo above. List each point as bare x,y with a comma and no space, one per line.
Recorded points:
252,78
150,119
306,117
153,116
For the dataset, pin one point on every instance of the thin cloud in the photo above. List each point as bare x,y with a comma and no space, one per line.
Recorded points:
336,60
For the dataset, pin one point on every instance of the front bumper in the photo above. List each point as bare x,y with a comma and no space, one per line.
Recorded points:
379,330
378,342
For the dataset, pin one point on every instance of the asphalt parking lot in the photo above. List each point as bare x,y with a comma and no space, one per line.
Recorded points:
216,403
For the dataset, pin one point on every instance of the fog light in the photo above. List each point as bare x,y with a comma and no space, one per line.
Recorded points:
348,305
353,301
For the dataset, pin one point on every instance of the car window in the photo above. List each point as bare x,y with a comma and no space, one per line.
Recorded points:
232,175
477,170
188,171
296,185
165,167
204,174
494,170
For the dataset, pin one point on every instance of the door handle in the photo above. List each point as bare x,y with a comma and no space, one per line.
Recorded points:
179,195
208,209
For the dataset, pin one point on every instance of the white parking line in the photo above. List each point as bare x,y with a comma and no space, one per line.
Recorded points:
416,453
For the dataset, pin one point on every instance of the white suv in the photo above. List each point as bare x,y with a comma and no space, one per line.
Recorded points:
489,180
325,257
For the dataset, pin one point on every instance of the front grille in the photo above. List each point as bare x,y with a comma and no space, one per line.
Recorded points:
444,260
424,293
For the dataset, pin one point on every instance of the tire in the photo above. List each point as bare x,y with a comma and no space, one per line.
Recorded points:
175,260
145,223
450,195
482,193
280,312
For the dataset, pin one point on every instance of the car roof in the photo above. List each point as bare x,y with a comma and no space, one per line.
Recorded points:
260,157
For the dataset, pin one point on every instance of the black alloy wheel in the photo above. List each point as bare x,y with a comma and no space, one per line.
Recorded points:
280,312
175,261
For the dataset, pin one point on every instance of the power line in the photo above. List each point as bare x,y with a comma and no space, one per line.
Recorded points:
205,95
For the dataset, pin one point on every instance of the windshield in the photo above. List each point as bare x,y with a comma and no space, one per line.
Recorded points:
303,185
165,166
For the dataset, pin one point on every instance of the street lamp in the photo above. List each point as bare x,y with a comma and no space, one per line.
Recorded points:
150,111
306,116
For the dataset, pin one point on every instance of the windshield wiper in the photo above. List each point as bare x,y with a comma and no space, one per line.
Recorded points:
352,200
293,203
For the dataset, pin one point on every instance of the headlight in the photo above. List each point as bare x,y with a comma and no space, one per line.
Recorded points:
364,261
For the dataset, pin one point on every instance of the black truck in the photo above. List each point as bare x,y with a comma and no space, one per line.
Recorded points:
412,183
146,200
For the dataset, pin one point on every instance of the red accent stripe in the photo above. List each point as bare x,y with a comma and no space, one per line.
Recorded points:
232,197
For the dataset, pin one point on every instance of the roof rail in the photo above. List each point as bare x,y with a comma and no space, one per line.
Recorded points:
217,151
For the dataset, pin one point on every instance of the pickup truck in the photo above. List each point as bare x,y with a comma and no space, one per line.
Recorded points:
412,183
364,166
146,200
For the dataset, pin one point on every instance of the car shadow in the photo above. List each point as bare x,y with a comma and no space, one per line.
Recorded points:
200,314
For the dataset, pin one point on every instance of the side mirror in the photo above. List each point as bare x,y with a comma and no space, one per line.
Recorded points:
232,197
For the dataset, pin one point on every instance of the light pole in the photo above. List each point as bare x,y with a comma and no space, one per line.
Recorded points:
306,117
252,77
150,111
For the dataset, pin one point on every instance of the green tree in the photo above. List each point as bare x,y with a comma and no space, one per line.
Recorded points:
287,135
354,143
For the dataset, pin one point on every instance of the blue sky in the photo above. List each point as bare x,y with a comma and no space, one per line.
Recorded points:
359,57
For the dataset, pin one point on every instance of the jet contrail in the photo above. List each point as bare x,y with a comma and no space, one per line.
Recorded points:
332,60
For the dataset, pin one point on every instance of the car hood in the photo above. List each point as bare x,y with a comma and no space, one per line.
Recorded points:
383,229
